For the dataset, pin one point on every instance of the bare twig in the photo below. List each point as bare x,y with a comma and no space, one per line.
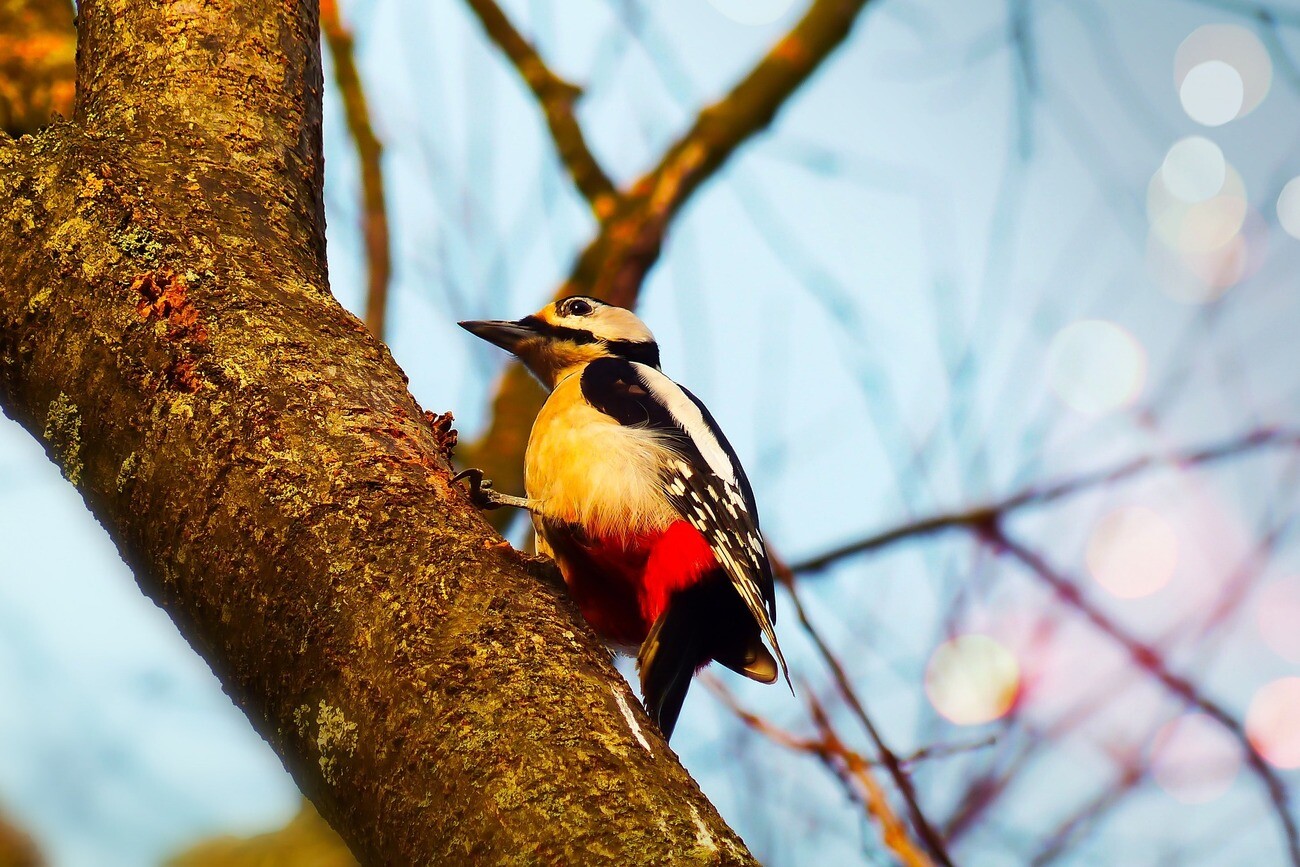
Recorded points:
753,721
852,768
557,98
925,830
615,262
1149,659
944,751
892,829
374,212
798,743
983,516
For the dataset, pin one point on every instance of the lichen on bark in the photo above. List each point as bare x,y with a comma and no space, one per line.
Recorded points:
63,433
166,328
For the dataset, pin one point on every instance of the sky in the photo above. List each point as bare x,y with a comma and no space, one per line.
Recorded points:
982,248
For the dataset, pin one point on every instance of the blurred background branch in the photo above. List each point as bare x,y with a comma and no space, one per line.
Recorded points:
981,517
307,841
17,848
613,265
374,210
1149,659
1020,271
851,768
557,99
38,47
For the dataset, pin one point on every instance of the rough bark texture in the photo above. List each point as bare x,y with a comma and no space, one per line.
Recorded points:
167,330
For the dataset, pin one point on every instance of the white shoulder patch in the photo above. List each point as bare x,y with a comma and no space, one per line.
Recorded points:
689,417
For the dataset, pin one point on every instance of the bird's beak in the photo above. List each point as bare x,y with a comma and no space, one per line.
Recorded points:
507,335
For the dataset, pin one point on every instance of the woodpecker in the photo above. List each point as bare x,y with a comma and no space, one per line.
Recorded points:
641,501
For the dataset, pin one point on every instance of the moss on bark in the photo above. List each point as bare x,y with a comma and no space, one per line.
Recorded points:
166,328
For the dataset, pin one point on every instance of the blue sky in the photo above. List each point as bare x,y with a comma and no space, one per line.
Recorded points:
868,299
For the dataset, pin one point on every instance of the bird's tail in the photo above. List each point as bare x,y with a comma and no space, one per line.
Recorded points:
667,661
703,622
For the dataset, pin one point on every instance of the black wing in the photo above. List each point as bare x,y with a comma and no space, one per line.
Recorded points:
704,482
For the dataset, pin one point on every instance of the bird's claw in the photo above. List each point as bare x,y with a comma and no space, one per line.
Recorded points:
480,489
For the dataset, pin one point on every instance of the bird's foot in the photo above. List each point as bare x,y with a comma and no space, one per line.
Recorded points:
479,489
481,493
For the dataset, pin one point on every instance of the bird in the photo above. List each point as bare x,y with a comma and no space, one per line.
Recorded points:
636,494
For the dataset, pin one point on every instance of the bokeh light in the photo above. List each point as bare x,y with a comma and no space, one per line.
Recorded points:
753,12
1200,226
1132,552
1204,237
1194,759
1094,366
1288,208
1222,72
972,679
1277,611
1230,263
1212,93
1194,169
1273,722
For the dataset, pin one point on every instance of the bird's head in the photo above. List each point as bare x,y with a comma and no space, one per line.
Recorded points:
567,334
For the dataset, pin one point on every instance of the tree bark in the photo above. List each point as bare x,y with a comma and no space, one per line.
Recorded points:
16,848
166,329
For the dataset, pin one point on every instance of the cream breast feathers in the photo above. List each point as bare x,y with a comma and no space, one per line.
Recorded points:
585,468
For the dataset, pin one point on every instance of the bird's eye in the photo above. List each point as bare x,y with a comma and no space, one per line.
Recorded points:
577,307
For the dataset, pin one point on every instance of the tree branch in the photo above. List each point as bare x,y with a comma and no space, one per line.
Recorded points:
1150,660
851,768
930,838
557,99
374,211
982,516
166,329
37,63
614,264
17,848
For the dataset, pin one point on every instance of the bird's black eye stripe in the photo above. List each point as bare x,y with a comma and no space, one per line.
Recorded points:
559,332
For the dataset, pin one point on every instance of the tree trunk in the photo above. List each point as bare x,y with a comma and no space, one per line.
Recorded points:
166,328
16,848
